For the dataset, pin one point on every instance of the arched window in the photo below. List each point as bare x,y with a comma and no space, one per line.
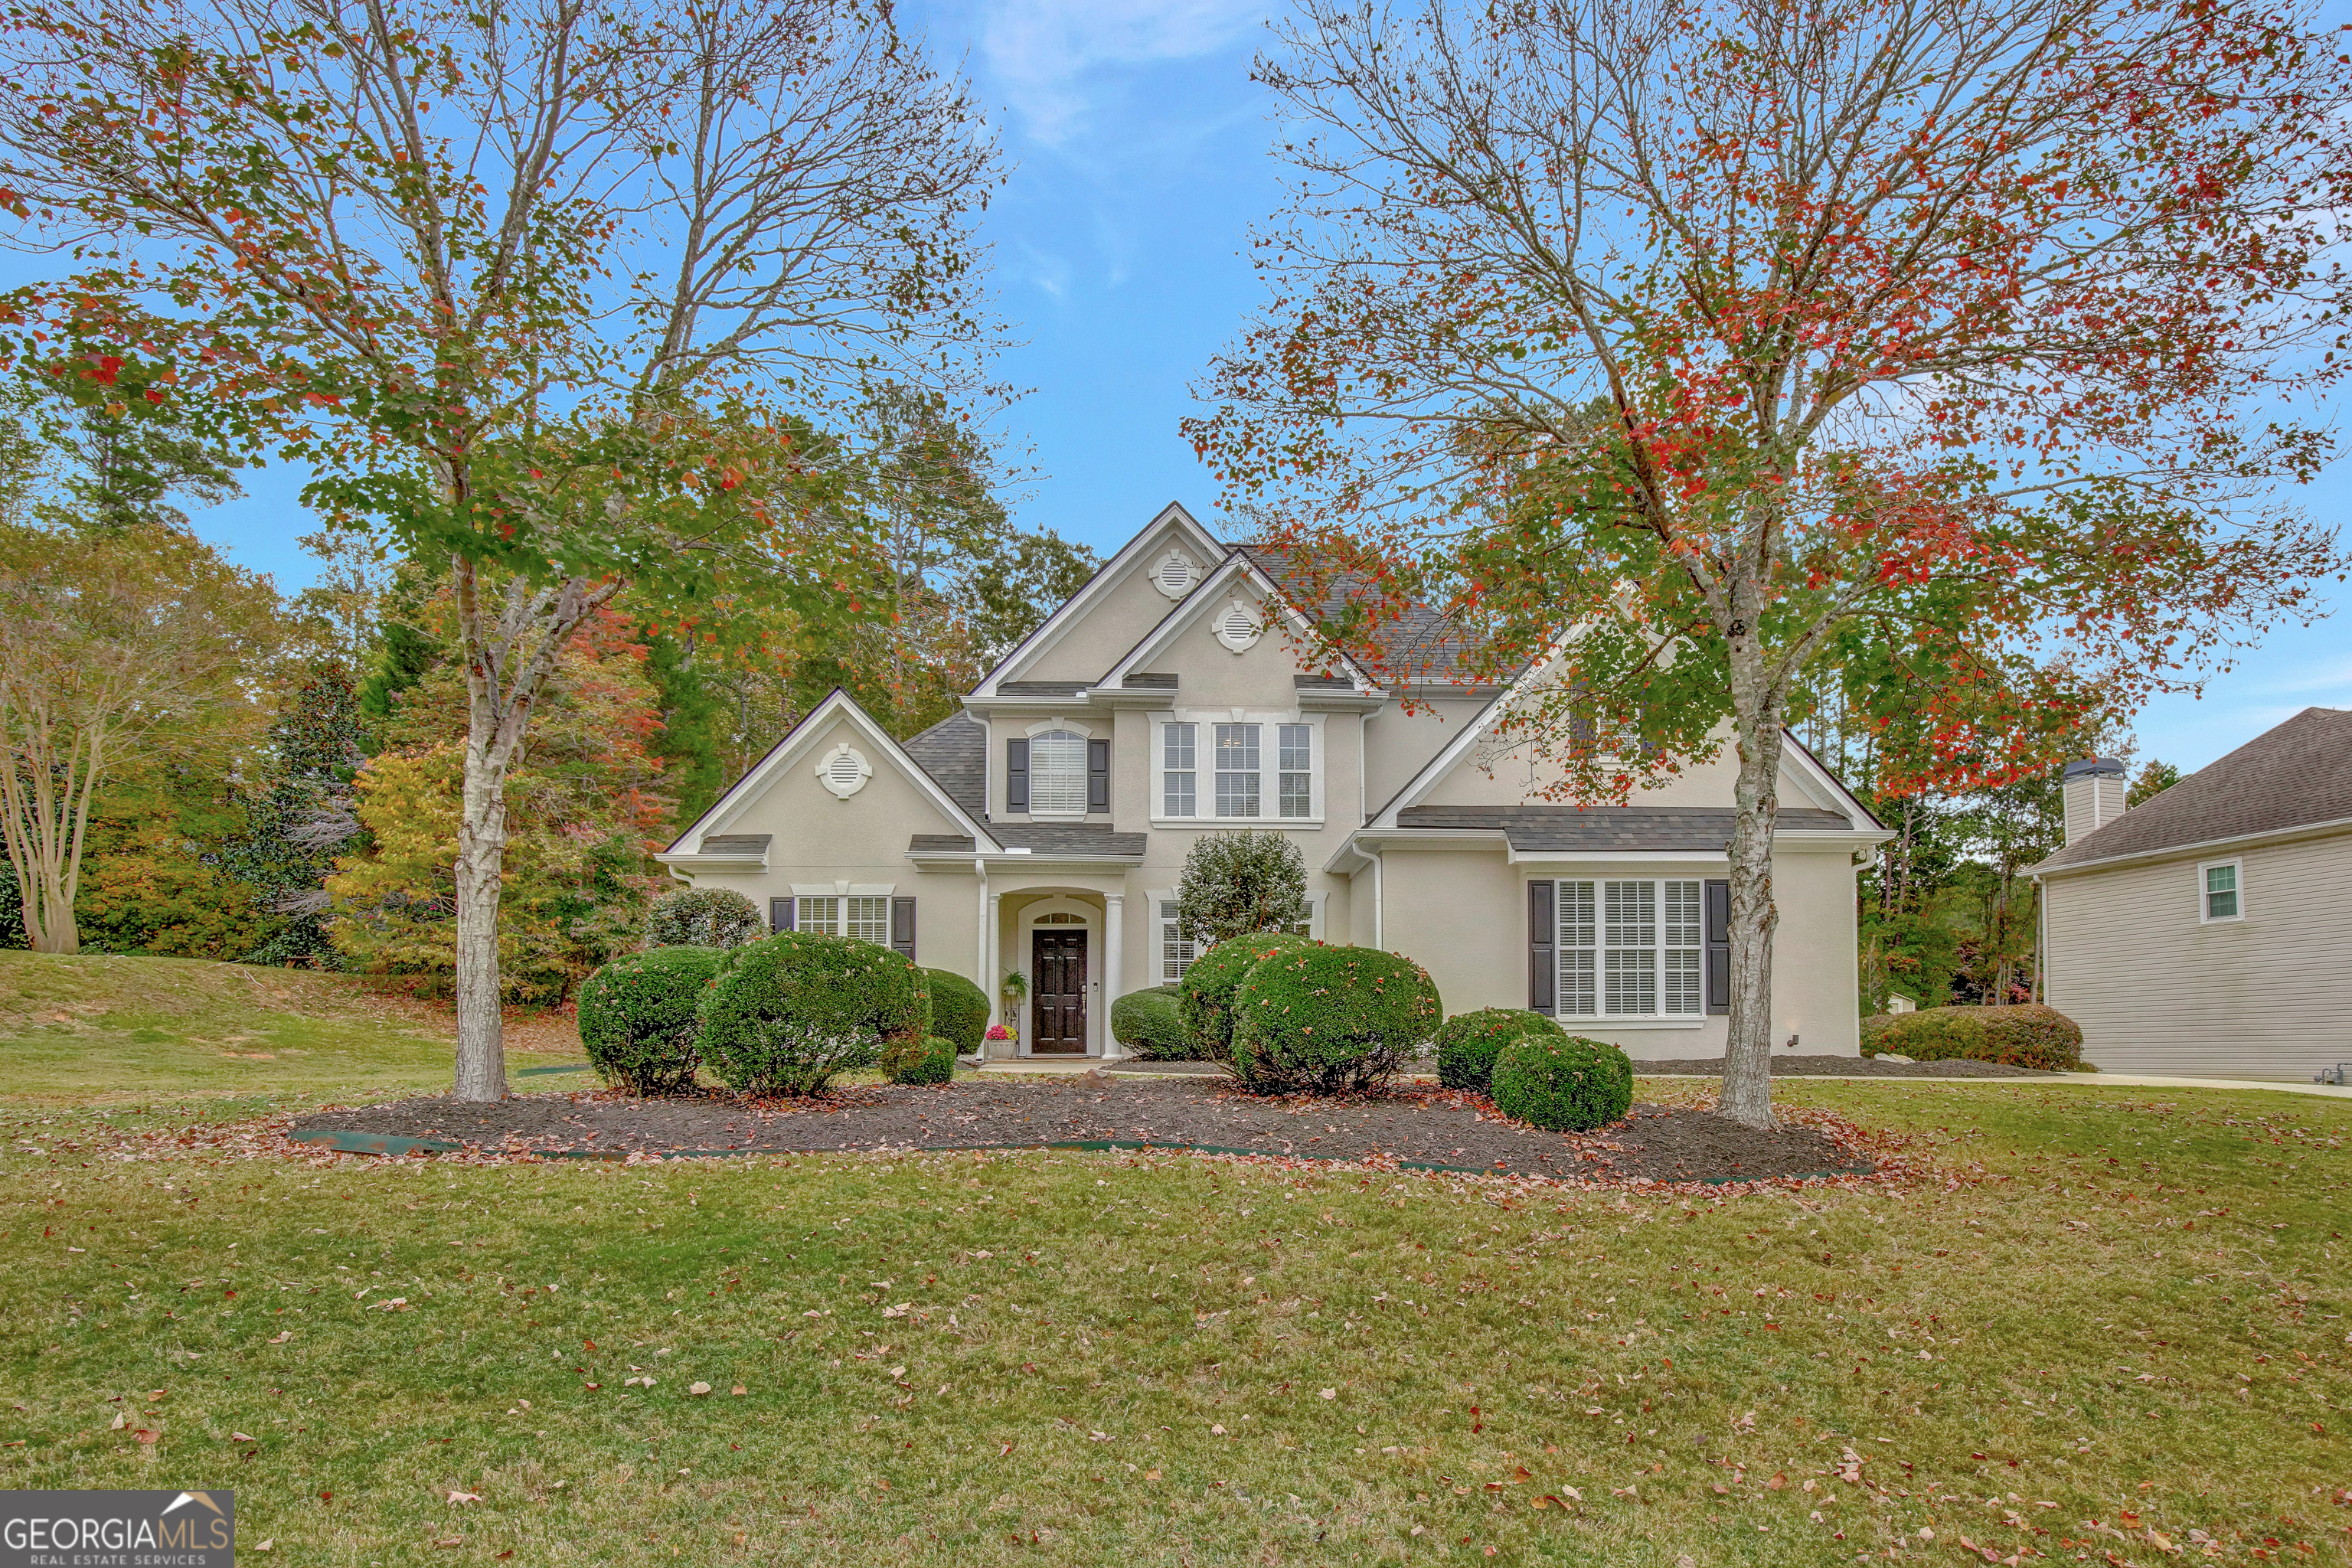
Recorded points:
1057,774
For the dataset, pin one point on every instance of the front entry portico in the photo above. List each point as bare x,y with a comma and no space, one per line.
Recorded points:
1063,941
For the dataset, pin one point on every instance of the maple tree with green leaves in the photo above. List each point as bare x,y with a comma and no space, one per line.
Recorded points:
562,295
1685,349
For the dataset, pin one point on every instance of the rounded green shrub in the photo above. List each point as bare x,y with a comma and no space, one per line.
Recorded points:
788,1011
1562,1082
958,1010
931,1060
702,917
1467,1043
1325,1020
1204,1000
1150,1024
2026,1035
638,1017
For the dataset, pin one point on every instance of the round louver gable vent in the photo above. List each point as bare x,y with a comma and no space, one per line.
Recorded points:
1238,626
844,771
1175,575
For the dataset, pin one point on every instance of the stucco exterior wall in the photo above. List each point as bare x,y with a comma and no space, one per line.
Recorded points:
1119,616
1488,775
2156,992
1462,915
817,838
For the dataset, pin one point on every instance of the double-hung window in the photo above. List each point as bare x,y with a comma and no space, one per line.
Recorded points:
866,919
2222,894
1176,950
1296,758
1237,769
1058,775
1177,770
1632,949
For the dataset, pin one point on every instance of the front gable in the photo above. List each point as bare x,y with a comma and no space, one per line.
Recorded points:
837,790
1136,589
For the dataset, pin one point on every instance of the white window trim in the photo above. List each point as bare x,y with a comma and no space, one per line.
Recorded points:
1269,772
1047,727
1160,935
1604,1020
2236,863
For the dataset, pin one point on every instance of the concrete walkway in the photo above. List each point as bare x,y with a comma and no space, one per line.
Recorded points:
1038,1066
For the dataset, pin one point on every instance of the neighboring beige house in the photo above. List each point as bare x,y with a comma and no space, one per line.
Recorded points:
2208,930
1043,829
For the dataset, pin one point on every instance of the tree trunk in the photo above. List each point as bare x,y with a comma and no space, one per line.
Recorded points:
1747,1096
481,873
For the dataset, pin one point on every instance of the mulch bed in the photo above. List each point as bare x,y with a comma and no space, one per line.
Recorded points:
1424,1128
1708,1067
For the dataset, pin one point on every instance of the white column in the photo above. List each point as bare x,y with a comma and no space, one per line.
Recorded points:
1114,963
989,976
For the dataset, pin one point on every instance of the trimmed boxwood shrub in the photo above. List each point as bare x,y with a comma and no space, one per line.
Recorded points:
1563,1082
1204,1000
1150,1024
1325,1020
788,1011
638,1017
2026,1035
931,1060
1467,1043
1875,1025
958,1010
702,917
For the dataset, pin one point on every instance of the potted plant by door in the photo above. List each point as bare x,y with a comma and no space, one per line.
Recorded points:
1014,989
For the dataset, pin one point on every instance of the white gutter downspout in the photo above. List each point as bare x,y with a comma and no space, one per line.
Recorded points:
2041,932
1379,935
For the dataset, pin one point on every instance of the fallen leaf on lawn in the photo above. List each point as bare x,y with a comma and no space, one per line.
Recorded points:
452,1541
241,1437
1215,1430
120,1422
897,1312
283,1336
1573,1495
697,1389
1152,1475
739,1388
456,1498
1776,1482
1328,1394
144,1436
265,1545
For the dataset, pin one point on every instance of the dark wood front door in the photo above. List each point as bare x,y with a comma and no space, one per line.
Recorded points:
1058,993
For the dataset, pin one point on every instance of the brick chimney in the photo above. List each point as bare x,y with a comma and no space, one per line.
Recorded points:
2094,795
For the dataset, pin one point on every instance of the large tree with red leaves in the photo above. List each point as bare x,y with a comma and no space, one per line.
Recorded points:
556,290
1682,349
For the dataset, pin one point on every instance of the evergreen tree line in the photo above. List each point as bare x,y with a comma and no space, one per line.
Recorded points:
289,794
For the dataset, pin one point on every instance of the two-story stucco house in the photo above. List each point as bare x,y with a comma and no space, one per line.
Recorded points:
1043,829
2207,929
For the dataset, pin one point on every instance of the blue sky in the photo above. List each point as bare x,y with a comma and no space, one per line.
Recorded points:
1140,147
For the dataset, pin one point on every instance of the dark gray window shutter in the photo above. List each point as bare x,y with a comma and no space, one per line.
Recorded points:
1718,945
902,925
1016,776
1543,958
1098,776
780,914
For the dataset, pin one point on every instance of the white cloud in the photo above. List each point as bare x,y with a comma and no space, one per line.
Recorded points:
1050,53
2335,675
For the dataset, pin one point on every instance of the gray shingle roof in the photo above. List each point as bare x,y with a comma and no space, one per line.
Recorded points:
2293,776
1148,680
1082,839
954,751
1417,647
1694,829
1069,838
1041,688
735,843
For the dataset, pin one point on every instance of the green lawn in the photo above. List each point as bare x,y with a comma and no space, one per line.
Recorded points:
2108,1325
98,1027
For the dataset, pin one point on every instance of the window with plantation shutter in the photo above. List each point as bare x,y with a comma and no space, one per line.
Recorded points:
1631,948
